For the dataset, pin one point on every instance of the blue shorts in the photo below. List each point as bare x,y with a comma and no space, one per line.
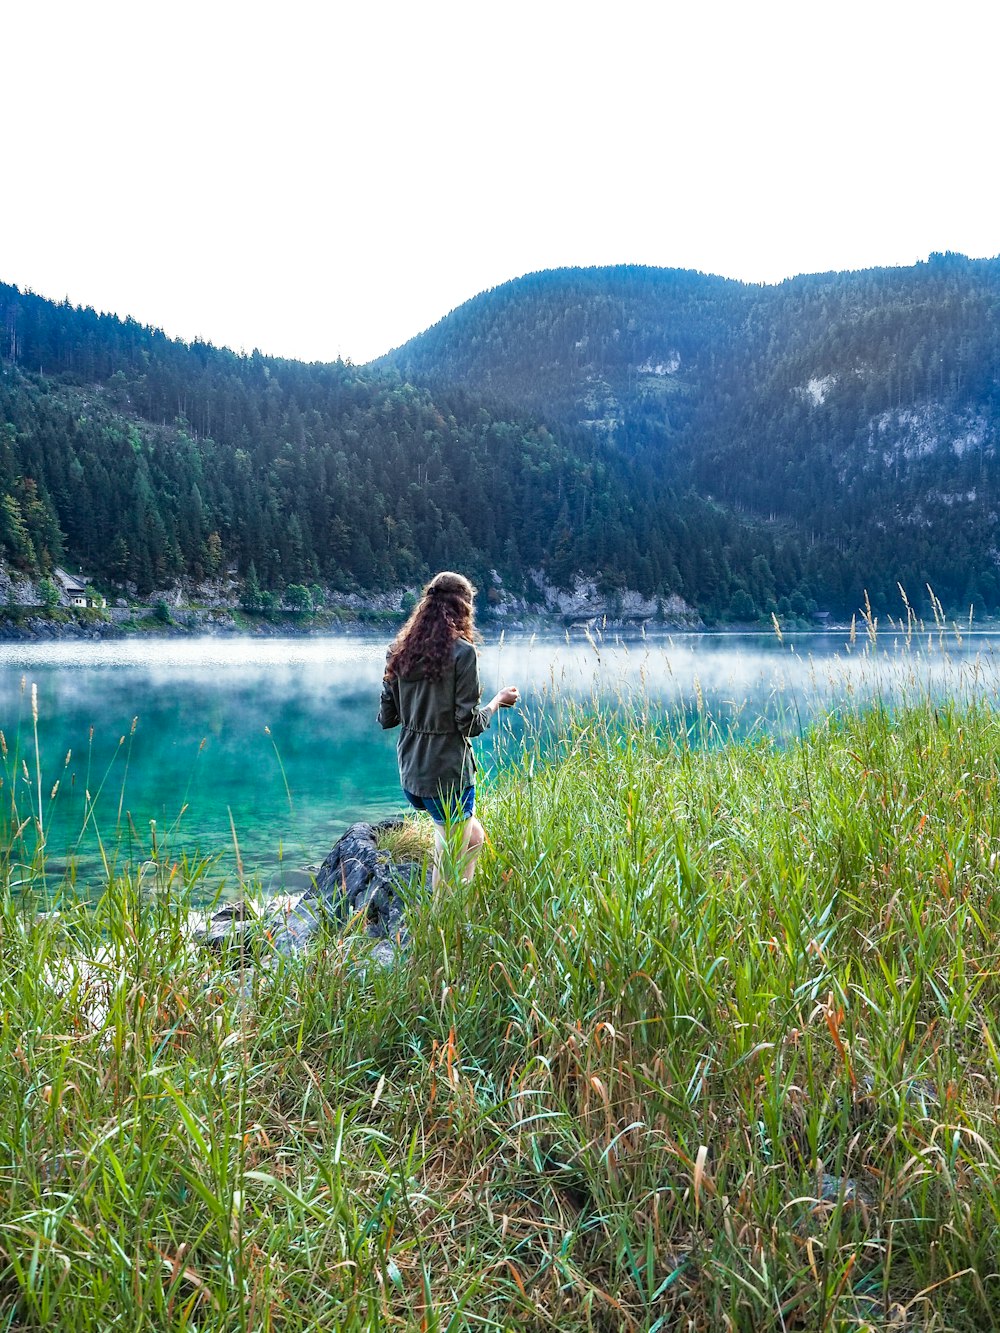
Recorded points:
457,807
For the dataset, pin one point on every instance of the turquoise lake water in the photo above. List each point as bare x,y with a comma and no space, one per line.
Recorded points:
275,740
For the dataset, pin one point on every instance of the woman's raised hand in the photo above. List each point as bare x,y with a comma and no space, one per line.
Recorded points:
505,698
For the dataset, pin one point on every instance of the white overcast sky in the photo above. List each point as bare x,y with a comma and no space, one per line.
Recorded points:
327,179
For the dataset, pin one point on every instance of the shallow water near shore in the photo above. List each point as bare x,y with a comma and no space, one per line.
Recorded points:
266,750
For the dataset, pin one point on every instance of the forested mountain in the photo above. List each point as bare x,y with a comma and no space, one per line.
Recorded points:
747,448
628,352
149,460
858,410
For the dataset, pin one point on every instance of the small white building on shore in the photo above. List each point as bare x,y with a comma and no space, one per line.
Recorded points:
73,590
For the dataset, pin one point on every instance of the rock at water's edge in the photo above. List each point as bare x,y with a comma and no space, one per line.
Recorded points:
356,878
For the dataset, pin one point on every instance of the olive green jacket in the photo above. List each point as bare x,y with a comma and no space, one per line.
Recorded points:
438,719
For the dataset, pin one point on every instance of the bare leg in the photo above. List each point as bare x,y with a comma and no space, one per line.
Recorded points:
473,838
445,843
440,848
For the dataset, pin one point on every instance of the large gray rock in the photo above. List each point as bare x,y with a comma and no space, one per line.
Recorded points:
356,882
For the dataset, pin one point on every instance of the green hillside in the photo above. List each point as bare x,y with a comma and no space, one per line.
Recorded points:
627,351
152,461
860,410
748,449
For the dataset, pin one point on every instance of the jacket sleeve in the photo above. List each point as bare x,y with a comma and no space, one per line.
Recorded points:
388,708
470,719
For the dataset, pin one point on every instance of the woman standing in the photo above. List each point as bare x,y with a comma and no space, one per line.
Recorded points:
431,690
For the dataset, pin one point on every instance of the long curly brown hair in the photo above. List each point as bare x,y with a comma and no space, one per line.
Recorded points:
443,614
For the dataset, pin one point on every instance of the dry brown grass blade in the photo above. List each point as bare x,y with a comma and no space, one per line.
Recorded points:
175,1265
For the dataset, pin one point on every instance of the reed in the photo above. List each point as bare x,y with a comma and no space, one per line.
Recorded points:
712,1041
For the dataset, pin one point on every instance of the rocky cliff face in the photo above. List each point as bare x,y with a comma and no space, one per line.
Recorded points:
207,608
16,590
587,601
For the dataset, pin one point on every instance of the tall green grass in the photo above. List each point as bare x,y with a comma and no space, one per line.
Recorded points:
712,1042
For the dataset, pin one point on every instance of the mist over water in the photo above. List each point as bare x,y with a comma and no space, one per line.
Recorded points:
277,740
